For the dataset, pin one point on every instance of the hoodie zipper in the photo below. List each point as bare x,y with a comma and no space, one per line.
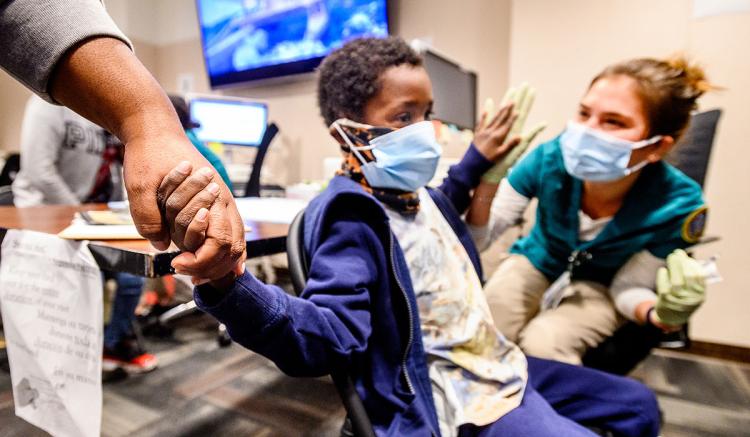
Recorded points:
411,318
411,325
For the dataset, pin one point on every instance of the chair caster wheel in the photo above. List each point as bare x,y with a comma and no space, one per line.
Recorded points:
223,338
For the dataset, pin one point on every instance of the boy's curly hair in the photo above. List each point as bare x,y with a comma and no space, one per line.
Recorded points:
349,76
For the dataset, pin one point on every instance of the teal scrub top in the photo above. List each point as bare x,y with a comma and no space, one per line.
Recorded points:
663,211
210,156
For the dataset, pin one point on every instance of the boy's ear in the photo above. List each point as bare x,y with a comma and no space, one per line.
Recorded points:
664,146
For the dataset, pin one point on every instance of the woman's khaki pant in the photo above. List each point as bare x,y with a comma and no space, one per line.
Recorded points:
582,320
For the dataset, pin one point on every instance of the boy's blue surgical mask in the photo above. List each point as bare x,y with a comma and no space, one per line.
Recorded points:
405,159
593,155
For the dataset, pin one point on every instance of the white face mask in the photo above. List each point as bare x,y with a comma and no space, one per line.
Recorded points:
593,155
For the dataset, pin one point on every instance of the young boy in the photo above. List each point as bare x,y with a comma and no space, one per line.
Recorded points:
394,290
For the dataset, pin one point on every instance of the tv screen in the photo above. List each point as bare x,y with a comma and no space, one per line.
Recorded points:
245,40
235,122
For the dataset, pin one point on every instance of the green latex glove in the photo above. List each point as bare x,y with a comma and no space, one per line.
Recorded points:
681,287
523,99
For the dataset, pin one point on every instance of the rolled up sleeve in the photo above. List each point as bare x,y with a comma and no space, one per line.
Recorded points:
36,34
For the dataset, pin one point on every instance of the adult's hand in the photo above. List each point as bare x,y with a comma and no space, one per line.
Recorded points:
225,239
102,80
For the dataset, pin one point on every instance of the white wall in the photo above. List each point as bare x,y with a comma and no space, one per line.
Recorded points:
722,43
158,22
560,46
13,97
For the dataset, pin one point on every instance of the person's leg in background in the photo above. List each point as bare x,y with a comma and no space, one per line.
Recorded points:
581,321
596,399
120,346
514,293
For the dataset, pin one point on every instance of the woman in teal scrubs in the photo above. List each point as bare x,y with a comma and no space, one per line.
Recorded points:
611,217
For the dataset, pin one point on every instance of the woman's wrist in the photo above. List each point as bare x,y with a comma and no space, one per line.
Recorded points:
481,201
486,189
649,316
644,312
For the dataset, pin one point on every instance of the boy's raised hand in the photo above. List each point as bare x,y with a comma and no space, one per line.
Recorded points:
492,132
521,100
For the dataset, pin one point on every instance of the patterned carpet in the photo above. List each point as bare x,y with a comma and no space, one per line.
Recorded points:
699,396
202,389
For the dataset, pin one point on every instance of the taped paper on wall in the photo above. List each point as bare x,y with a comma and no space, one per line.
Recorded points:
51,301
708,8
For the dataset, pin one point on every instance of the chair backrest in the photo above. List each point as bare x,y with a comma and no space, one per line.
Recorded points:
295,252
10,169
299,267
6,195
252,189
693,151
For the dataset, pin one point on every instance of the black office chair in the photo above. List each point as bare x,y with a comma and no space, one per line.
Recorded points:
632,343
6,195
693,152
252,189
7,176
357,423
10,169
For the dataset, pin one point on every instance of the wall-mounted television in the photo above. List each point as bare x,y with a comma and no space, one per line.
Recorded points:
246,40
229,121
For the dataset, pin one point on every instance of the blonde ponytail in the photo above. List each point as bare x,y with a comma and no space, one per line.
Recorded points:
695,76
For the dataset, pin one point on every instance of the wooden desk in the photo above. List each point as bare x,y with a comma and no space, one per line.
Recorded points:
130,256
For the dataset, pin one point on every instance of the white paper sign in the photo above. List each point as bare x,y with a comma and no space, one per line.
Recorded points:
51,301
708,8
269,209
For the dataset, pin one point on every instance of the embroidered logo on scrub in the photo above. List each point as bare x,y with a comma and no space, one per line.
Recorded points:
695,224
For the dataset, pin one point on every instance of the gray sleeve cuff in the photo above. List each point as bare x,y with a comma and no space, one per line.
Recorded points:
35,34
635,283
627,300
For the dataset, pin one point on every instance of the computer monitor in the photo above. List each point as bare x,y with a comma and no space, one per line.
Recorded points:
454,89
229,121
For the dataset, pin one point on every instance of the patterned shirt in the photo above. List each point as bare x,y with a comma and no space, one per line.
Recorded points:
477,374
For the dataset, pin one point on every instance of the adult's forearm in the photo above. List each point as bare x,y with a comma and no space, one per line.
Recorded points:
102,80
481,202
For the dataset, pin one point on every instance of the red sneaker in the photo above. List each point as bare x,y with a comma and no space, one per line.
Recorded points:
126,355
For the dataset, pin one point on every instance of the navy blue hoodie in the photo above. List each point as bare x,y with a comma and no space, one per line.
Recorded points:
358,308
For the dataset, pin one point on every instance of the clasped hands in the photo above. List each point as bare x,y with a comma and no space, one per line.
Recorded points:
202,225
